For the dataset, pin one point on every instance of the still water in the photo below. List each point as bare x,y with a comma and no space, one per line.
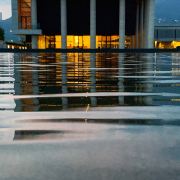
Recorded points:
89,116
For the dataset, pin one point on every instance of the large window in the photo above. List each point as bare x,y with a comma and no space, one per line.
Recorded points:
83,42
55,42
24,14
107,41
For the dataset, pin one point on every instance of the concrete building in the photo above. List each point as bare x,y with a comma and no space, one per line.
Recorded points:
167,36
84,23
0,16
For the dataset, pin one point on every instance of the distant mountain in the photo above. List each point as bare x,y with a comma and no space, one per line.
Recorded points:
168,10
7,25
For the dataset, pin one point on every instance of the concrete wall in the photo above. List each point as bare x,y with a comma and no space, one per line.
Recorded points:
167,33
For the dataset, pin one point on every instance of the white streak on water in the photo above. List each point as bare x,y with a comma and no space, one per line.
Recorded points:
159,72
146,77
99,94
140,112
164,81
7,86
7,79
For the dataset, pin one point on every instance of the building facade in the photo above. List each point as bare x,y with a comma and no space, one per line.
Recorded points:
167,36
84,23
0,16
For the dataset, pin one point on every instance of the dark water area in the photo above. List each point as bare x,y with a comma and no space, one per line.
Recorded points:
116,104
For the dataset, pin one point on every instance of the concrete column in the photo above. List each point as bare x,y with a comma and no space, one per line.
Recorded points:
63,24
142,24
14,5
149,23
134,41
34,43
93,24
122,14
33,14
137,25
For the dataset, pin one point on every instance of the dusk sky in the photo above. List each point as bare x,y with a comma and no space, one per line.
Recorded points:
5,7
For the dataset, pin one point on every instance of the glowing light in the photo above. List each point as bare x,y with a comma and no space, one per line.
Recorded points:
176,44
78,41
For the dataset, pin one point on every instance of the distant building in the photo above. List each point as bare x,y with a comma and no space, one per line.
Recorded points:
167,36
84,23
0,16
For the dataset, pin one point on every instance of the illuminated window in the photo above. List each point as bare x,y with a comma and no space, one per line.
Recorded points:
83,42
78,42
167,45
175,44
41,42
107,41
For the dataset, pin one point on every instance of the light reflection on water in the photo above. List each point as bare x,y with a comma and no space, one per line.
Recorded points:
104,88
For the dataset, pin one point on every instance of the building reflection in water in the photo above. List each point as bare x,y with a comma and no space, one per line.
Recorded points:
7,103
175,64
148,87
35,78
93,78
27,81
64,81
81,73
120,77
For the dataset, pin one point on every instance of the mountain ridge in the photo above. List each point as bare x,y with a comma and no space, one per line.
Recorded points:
168,10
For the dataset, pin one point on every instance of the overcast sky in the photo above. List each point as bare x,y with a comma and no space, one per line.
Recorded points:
5,8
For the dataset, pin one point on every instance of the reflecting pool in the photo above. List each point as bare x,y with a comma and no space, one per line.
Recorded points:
89,116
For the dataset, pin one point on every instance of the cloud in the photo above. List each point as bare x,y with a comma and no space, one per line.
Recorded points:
6,10
5,2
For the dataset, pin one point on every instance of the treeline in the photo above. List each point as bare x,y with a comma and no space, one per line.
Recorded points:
1,33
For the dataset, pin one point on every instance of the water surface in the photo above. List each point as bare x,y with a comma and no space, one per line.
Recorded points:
89,116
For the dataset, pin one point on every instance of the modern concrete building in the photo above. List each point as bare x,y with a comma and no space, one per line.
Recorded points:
84,23
0,16
167,36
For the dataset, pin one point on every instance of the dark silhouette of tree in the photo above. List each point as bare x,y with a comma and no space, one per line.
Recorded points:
1,33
